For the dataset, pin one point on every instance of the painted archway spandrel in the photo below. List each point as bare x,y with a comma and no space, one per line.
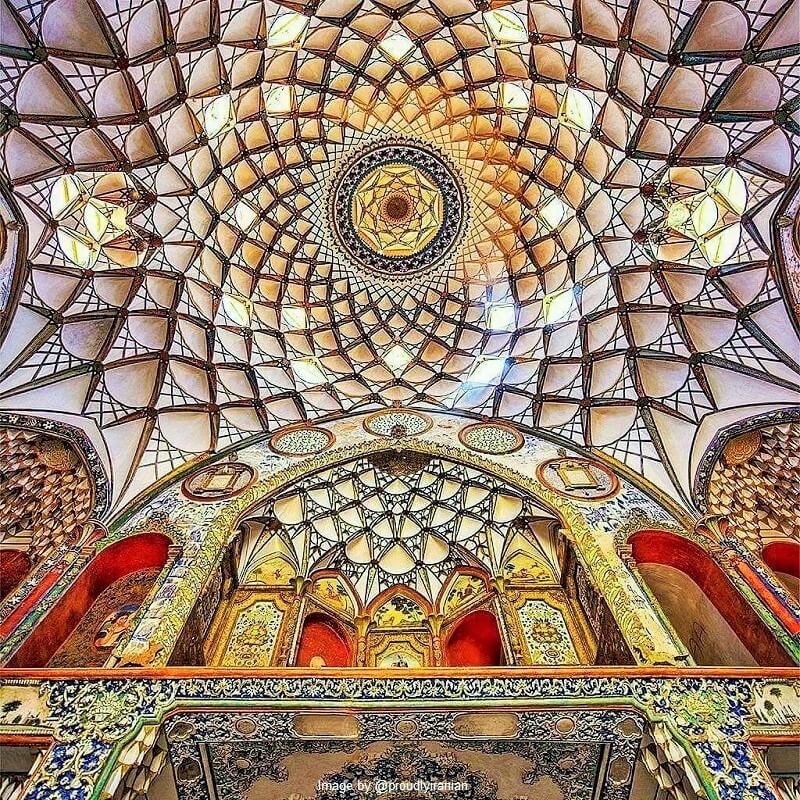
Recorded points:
205,528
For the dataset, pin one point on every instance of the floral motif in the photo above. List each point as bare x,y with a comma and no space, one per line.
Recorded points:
546,634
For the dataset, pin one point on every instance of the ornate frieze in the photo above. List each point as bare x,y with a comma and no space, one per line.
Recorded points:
710,718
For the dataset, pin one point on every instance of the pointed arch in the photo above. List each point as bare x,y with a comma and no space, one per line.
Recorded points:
475,641
323,642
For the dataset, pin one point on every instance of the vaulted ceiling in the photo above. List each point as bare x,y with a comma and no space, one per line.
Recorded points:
176,271
407,518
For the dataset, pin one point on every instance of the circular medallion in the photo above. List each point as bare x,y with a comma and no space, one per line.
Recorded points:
219,481
741,449
246,726
406,727
565,725
301,441
398,208
397,423
58,455
578,478
491,437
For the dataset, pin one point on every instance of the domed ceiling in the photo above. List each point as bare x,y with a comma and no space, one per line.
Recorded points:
229,216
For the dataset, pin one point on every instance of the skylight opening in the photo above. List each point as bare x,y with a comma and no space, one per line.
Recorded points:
730,188
501,316
219,116
279,100
309,371
238,309
705,216
246,216
294,318
396,47
397,358
553,212
486,371
577,110
104,221
557,306
80,250
513,96
67,193
288,31
722,246
505,27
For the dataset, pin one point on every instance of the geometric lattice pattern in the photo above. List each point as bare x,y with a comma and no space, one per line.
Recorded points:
761,493
400,519
622,159
406,200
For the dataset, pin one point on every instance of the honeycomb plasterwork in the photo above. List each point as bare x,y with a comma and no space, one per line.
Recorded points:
382,529
46,494
756,484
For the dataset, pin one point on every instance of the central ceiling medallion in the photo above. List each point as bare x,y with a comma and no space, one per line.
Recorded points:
398,208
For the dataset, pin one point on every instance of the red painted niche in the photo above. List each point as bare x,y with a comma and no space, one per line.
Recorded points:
783,557
143,551
671,550
475,642
323,642
14,566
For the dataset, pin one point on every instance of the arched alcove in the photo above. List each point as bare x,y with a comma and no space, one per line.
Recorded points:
714,621
90,618
783,558
46,497
323,643
474,641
